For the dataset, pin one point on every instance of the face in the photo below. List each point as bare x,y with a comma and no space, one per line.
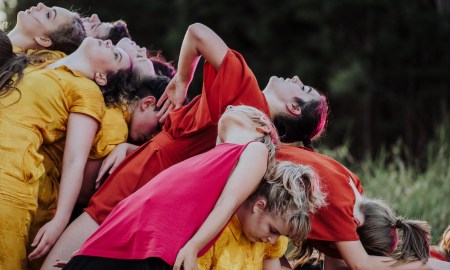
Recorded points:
40,20
287,89
144,122
263,226
142,66
96,28
104,55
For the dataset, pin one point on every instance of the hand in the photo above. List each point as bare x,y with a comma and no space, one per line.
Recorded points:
117,155
186,258
164,111
175,92
46,238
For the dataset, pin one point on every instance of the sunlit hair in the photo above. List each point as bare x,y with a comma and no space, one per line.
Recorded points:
379,234
305,127
118,31
444,245
12,65
292,191
67,38
270,139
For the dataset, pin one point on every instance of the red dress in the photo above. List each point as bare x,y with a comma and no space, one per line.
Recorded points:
158,219
189,131
335,222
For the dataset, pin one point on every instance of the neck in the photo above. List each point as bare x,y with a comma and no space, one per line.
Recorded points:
76,62
271,101
22,41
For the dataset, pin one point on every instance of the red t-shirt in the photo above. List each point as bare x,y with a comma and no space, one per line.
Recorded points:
437,255
159,218
335,222
188,131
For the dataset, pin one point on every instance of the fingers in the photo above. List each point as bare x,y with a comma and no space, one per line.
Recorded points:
162,99
106,165
163,118
38,237
60,263
42,248
165,108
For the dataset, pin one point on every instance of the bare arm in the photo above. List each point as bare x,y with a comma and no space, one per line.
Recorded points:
81,130
198,41
356,257
241,183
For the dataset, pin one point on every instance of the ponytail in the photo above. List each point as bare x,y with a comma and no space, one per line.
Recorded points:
415,241
379,234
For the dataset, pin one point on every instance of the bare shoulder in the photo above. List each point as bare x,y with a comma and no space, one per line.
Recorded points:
256,148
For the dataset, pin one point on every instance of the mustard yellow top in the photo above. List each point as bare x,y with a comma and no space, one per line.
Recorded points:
234,251
37,114
113,131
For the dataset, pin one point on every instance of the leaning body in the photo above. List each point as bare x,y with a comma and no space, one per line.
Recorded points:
30,117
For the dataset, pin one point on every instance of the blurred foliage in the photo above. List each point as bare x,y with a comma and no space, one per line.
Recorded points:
414,190
383,64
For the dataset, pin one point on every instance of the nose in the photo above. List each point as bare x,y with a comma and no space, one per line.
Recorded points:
94,18
108,43
229,107
40,6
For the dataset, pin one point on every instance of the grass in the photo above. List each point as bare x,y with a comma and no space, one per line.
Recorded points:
415,191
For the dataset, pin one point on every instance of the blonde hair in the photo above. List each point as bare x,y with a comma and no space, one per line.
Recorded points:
270,139
379,234
292,191
444,245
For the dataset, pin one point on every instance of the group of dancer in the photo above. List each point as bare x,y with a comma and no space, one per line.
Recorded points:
87,116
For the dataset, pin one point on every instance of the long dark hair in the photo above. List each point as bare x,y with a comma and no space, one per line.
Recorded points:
10,65
307,126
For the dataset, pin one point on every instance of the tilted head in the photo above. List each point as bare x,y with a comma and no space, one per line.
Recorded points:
144,66
114,31
282,203
144,122
250,122
379,233
299,112
52,28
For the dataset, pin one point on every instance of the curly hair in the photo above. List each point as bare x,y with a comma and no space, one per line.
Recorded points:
117,91
118,31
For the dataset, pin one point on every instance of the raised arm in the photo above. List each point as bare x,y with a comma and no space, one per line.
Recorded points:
356,257
242,182
81,130
198,41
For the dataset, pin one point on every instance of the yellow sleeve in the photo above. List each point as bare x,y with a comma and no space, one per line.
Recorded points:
113,131
85,97
205,261
276,250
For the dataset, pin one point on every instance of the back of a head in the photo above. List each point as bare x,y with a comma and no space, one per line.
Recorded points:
117,91
118,31
305,127
68,37
294,191
444,245
150,86
162,67
379,234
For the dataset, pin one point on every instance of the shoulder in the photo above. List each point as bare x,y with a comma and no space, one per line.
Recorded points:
257,148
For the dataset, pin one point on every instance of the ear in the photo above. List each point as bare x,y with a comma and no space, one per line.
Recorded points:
294,108
100,78
263,129
43,41
259,205
148,102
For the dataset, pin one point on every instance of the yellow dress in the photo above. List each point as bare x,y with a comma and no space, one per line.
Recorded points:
35,114
234,251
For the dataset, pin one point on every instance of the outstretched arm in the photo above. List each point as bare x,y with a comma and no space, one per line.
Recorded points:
356,257
242,182
81,130
198,41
